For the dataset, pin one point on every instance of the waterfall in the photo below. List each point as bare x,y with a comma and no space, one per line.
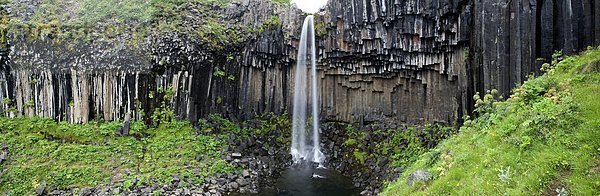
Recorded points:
302,150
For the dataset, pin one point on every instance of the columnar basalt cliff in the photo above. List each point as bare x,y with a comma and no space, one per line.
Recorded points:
395,59
106,77
409,61
511,39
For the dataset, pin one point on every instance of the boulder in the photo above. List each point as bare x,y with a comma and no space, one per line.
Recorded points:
146,191
3,156
241,182
419,175
245,173
126,122
40,190
234,185
236,155
86,191
119,131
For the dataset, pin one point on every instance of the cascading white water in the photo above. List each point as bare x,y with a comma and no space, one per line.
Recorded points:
301,151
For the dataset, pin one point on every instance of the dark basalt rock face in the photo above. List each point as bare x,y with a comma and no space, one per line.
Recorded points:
403,60
409,61
79,80
511,39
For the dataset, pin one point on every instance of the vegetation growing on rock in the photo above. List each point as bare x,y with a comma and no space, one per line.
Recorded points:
134,20
65,156
400,146
542,140
61,155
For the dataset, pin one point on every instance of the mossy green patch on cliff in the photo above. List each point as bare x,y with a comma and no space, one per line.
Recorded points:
283,2
320,26
260,126
63,155
62,19
542,140
400,146
4,23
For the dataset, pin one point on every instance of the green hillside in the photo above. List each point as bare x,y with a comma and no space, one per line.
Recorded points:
544,139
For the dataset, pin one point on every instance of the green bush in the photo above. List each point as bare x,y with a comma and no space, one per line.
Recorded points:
401,146
164,113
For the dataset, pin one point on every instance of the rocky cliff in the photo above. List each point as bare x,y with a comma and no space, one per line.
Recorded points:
403,61
511,39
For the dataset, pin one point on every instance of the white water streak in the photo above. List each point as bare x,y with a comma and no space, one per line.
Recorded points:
300,150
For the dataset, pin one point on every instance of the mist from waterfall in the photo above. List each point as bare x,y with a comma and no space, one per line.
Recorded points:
301,149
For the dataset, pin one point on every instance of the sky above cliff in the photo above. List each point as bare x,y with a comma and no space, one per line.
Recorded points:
310,6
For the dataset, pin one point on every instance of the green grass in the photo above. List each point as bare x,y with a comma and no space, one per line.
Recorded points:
63,155
544,137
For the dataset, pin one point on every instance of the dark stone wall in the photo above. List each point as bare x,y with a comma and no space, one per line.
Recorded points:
401,61
395,60
511,39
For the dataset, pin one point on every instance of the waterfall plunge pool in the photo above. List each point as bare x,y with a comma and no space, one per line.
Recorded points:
304,180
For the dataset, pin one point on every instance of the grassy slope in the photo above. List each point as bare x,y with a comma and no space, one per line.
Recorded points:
63,155
545,137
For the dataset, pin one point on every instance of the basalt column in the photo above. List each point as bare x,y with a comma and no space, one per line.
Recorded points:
511,39
402,61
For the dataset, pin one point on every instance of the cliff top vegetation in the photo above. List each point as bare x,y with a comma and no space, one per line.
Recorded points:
90,19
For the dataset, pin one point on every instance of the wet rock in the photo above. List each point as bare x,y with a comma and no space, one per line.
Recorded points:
418,176
40,190
365,192
126,122
385,161
221,181
271,151
3,156
178,191
231,176
236,155
234,185
228,158
245,173
241,182
119,131
146,191
86,191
